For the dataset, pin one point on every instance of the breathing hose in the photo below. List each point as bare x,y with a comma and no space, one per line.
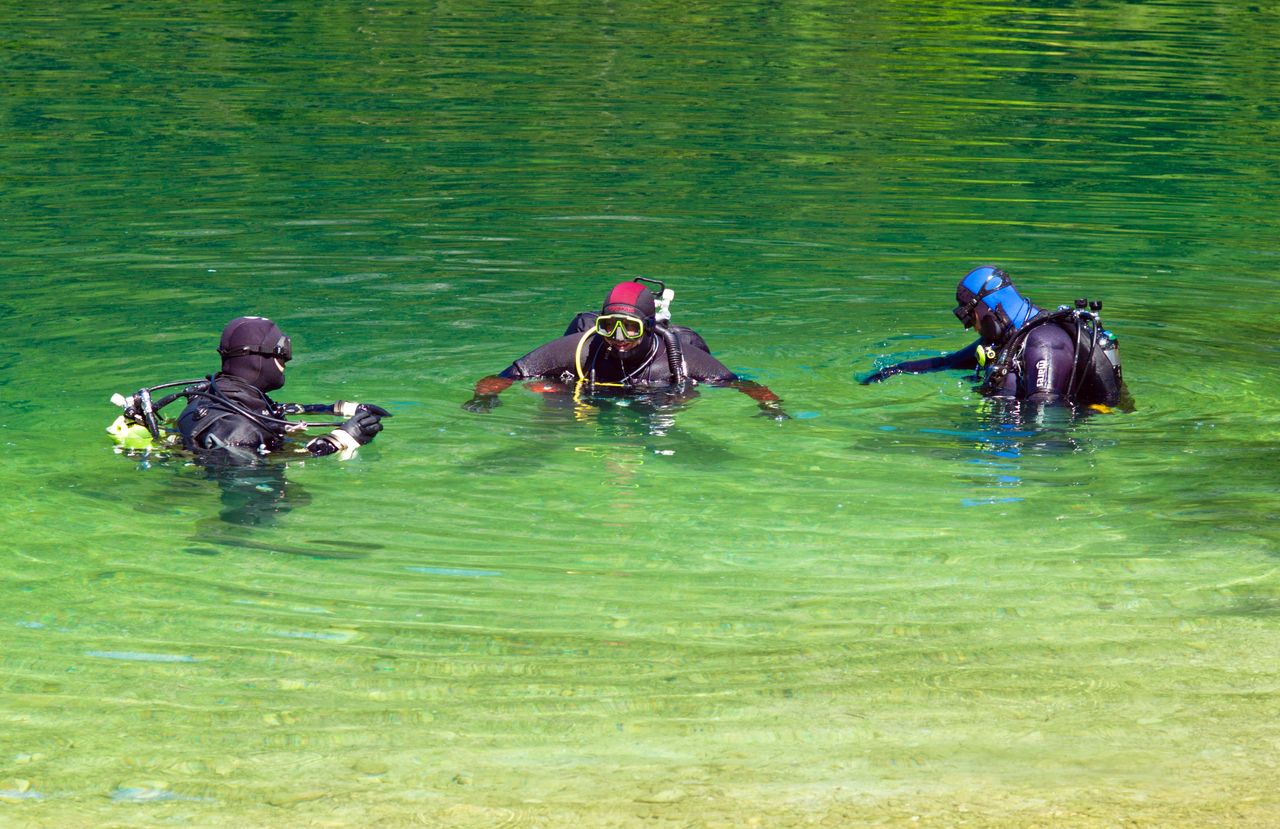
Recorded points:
675,357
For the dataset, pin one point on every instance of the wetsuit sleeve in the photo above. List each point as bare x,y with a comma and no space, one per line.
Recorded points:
966,358
1046,365
550,360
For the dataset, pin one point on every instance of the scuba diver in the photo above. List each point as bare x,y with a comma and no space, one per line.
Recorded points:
1024,352
628,346
230,418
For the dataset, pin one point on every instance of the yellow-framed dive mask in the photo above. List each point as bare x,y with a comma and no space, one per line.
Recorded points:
619,326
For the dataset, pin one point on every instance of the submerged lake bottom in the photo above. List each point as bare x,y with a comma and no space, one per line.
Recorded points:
748,778
191,661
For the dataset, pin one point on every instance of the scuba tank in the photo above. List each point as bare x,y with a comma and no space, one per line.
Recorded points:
1096,362
1099,364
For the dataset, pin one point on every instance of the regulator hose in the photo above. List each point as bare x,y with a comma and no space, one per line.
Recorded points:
1076,382
675,357
148,413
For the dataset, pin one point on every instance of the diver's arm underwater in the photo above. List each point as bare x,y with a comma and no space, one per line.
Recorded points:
485,397
770,403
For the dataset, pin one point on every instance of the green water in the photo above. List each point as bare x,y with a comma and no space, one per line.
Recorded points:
896,608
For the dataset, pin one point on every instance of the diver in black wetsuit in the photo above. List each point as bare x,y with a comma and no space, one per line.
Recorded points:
628,346
230,414
1026,353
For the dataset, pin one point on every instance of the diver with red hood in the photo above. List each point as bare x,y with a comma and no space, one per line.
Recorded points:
628,346
230,414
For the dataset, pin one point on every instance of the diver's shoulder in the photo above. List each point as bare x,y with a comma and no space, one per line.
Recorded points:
1051,332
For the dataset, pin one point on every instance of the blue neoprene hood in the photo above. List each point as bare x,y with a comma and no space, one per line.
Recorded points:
993,288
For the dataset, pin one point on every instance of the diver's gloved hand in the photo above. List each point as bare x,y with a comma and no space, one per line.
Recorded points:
773,411
482,403
362,426
348,408
882,374
348,437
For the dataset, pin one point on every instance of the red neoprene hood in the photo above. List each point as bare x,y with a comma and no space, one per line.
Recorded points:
629,298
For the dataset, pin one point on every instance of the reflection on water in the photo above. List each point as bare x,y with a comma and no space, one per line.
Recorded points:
254,492
253,489
1012,431
617,412
622,430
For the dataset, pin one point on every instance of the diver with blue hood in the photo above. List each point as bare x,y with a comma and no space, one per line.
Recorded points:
230,418
1024,352
629,346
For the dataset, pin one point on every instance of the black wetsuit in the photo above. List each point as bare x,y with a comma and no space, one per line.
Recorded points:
586,357
237,417
1053,359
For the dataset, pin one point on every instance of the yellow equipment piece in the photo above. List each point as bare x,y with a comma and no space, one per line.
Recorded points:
130,435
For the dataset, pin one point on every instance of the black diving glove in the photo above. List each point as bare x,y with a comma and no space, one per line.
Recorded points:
482,403
347,408
356,432
882,374
362,426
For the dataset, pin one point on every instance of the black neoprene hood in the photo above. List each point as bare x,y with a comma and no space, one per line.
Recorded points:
250,347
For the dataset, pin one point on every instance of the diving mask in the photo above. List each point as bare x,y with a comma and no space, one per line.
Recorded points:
977,285
283,350
619,327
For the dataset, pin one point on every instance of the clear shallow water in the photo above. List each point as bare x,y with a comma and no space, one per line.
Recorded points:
894,605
